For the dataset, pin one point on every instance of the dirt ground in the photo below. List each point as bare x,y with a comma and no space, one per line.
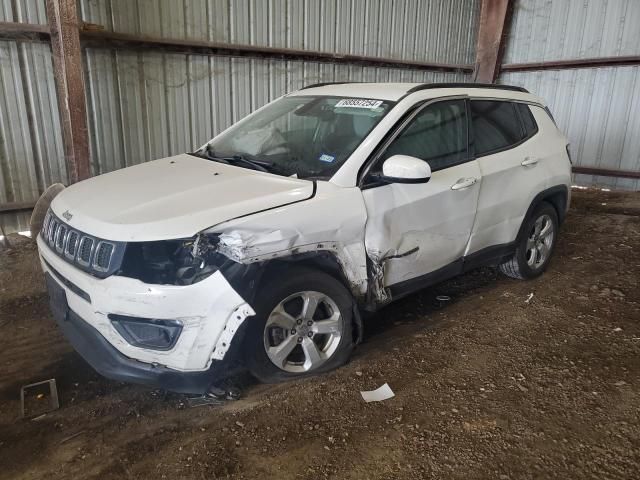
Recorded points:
489,385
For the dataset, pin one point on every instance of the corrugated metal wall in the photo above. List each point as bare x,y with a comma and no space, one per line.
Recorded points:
598,108
571,29
31,154
427,30
150,105
143,106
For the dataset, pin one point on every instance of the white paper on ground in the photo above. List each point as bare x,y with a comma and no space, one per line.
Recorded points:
379,394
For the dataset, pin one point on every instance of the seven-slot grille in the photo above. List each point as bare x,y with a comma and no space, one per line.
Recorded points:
92,254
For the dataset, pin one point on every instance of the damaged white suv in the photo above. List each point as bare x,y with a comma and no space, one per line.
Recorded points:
262,247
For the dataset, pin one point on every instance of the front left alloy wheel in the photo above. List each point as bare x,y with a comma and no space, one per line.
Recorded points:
303,325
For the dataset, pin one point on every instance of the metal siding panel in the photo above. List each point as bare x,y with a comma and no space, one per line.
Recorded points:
326,24
131,90
219,21
47,134
98,12
343,26
16,154
149,105
199,101
573,29
278,23
423,30
30,11
31,155
241,85
260,94
157,137
221,94
103,108
176,91
630,155
598,110
123,16
6,11
196,14
295,24
295,75
150,18
312,25
278,78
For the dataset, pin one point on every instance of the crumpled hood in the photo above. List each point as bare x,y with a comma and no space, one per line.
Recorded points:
173,197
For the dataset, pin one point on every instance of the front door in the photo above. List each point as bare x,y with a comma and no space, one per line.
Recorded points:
417,229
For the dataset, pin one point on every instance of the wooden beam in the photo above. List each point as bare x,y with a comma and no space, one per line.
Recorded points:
68,74
605,172
16,206
577,63
23,31
495,18
114,40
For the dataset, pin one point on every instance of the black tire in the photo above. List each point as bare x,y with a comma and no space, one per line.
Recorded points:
519,266
278,287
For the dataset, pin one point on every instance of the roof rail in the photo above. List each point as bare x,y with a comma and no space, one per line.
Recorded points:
427,86
314,85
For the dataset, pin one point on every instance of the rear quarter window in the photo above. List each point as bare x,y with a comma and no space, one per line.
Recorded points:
528,122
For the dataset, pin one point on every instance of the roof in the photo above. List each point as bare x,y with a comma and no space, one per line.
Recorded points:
396,91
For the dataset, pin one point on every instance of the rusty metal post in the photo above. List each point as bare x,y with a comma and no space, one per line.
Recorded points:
67,65
495,17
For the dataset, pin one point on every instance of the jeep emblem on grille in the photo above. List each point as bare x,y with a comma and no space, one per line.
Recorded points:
67,215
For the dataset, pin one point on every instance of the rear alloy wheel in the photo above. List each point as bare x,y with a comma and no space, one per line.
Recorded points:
535,245
540,241
303,326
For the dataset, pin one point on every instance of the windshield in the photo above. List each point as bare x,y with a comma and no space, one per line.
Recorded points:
304,136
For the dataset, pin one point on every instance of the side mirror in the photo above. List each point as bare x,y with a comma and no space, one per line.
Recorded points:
405,169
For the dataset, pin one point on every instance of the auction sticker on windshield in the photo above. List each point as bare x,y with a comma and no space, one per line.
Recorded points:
359,103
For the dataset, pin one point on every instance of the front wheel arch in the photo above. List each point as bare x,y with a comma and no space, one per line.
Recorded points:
322,261
277,286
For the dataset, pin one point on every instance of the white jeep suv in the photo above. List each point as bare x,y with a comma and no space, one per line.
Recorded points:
263,247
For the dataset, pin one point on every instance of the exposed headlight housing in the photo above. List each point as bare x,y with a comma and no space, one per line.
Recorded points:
148,333
172,262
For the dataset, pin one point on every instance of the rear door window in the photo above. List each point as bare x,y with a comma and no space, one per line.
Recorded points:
496,126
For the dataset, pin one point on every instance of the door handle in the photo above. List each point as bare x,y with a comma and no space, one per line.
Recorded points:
464,183
529,161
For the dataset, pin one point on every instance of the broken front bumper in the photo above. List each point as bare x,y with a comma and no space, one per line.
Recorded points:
210,312
109,362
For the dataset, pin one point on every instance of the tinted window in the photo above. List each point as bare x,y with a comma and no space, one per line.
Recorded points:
528,122
438,134
496,126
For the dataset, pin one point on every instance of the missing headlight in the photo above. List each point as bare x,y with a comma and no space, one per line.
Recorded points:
173,262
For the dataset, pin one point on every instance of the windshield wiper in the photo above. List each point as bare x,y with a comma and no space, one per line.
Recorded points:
262,166
235,159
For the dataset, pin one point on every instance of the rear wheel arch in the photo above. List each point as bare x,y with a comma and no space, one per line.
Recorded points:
557,196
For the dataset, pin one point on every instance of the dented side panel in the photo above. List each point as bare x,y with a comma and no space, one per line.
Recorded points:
332,221
415,229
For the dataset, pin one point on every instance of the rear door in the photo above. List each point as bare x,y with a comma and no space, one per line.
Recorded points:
508,152
415,229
